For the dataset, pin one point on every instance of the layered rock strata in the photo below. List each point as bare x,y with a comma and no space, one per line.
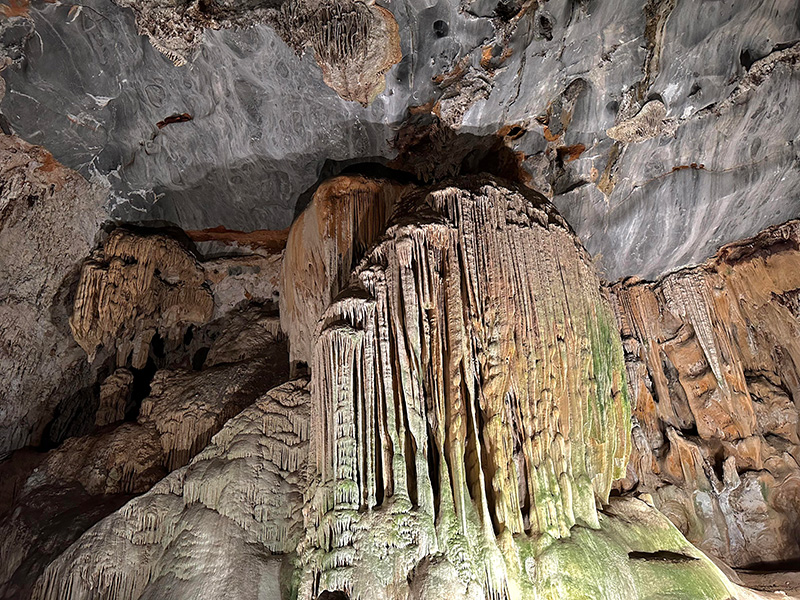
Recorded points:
714,364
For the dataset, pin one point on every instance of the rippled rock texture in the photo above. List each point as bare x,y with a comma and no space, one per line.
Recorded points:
652,125
714,364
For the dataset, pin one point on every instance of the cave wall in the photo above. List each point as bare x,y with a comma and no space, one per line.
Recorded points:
49,217
458,437
713,357
651,125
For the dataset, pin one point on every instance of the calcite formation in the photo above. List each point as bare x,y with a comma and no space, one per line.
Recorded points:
138,286
54,497
308,319
714,365
354,43
238,505
346,217
459,435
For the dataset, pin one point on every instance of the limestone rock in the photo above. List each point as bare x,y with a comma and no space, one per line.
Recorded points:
135,287
186,407
454,338
249,125
465,418
466,415
328,239
49,216
93,475
238,501
713,363
115,395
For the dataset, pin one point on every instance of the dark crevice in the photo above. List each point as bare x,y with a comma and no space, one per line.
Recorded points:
140,388
199,358
661,555
335,595
434,471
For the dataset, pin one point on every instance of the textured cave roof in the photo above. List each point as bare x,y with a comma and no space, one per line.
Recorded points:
89,88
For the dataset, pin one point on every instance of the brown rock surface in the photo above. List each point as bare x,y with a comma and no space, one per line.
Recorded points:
134,287
49,216
115,395
713,357
347,215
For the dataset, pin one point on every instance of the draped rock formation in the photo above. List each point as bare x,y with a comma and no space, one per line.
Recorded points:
138,286
470,377
238,502
55,497
466,415
713,356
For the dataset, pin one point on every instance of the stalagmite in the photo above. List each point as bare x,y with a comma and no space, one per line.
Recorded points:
469,374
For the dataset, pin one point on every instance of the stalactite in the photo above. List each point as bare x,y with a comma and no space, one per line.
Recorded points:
479,319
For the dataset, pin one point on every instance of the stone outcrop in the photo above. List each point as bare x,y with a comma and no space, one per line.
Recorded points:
238,505
328,239
354,43
714,365
49,216
139,287
134,287
56,496
465,418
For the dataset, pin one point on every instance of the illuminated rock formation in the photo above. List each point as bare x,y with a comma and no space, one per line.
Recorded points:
714,364
466,416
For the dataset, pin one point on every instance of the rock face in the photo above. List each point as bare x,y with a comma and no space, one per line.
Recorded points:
137,287
239,501
58,495
651,125
466,415
714,365
49,216
345,218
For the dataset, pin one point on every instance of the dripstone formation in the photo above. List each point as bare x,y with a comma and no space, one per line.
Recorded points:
399,300
466,415
713,360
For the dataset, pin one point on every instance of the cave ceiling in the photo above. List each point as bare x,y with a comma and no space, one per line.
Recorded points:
659,130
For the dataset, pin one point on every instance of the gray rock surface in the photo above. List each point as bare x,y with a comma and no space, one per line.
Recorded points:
720,165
